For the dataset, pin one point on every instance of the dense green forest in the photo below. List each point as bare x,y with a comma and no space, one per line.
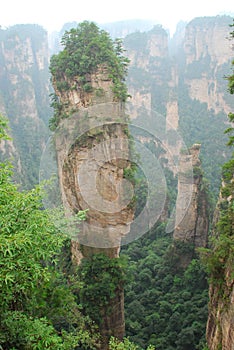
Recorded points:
166,304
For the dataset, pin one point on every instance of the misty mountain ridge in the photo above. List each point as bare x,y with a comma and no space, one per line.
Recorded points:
120,29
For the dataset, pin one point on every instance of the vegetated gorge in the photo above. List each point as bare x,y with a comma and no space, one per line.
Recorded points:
139,127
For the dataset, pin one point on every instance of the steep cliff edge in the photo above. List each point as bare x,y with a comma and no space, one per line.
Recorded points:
220,257
91,141
220,263
220,324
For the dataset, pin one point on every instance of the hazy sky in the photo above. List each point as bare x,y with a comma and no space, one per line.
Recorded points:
53,14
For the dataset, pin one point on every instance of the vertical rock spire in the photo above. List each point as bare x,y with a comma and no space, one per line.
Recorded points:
92,147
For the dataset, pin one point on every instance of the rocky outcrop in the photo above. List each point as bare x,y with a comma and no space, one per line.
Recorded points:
192,219
98,89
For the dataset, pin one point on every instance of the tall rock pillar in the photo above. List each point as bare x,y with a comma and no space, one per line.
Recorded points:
192,219
93,152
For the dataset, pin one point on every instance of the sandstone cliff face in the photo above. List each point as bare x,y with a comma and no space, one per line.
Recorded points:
24,92
220,324
192,217
147,53
207,49
92,153
204,37
153,83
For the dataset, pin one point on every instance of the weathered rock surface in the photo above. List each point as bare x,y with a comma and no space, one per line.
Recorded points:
92,153
204,37
220,324
192,219
207,49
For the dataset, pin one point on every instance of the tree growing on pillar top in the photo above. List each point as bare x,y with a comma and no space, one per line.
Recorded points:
85,50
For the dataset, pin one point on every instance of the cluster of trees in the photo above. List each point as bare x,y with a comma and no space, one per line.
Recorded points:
85,49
